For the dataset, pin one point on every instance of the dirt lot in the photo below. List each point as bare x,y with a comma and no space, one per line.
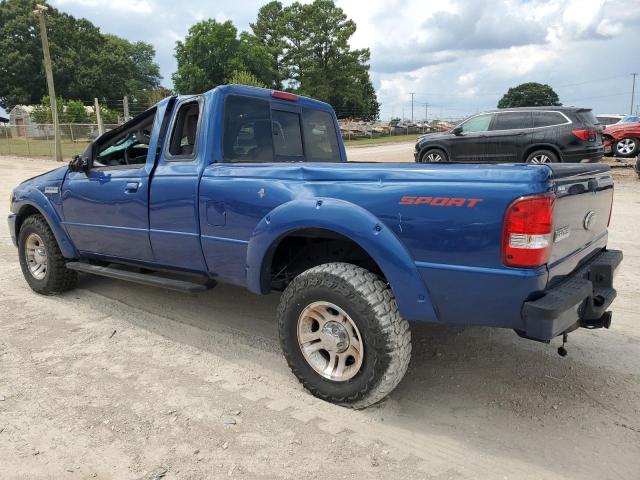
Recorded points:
115,380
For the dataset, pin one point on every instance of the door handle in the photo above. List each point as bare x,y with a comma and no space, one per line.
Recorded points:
131,187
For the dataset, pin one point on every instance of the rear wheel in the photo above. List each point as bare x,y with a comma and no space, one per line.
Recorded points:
42,263
627,147
434,155
342,334
542,156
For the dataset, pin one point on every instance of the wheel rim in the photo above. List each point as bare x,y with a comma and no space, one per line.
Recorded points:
36,256
330,341
540,158
434,157
626,146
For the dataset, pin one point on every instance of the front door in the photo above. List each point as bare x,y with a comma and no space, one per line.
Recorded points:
470,144
106,210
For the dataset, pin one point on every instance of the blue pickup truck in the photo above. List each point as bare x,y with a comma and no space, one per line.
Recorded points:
252,187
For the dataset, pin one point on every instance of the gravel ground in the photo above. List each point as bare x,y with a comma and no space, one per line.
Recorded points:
116,380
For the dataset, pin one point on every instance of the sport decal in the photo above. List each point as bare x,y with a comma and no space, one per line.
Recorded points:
441,201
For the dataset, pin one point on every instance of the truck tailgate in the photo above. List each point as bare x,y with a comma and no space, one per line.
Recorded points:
584,193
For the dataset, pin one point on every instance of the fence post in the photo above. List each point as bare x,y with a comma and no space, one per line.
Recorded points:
98,117
73,140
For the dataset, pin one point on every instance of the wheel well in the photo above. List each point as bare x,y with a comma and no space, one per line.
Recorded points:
551,148
308,248
23,214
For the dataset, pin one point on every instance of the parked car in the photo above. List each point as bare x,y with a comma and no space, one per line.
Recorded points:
630,119
609,118
251,187
622,139
532,135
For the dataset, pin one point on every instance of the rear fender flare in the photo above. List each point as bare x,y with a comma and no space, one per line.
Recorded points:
40,202
353,222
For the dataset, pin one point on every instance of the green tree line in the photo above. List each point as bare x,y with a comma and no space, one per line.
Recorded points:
86,62
301,48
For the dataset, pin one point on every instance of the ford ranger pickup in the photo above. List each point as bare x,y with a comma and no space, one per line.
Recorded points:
252,187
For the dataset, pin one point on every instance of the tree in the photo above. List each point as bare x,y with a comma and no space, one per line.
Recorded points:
86,63
242,77
212,52
529,95
310,51
69,111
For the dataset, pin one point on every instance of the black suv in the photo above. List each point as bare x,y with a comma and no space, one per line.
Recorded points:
534,135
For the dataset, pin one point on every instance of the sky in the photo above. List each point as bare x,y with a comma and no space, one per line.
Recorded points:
457,56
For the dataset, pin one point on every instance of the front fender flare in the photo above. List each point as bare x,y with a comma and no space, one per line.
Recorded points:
40,202
353,222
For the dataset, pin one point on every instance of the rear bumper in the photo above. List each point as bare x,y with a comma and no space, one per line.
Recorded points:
12,228
593,154
579,300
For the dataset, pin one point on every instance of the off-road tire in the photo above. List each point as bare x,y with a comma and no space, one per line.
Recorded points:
424,158
58,278
552,157
372,307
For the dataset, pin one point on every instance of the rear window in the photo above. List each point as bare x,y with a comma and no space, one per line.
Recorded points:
547,119
255,132
287,135
587,118
512,121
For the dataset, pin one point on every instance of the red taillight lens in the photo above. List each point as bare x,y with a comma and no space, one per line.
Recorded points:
291,97
528,231
585,134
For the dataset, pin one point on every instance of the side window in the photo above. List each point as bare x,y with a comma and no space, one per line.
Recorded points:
247,130
183,137
547,119
477,124
320,137
512,121
287,136
129,147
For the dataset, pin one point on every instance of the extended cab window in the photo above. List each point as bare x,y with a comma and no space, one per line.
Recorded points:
185,128
128,147
477,124
512,121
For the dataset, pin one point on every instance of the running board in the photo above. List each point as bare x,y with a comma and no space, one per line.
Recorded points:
143,278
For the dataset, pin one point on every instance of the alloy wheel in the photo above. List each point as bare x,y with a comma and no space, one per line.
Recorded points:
36,256
330,341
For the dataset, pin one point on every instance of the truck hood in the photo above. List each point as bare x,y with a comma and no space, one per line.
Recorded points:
56,174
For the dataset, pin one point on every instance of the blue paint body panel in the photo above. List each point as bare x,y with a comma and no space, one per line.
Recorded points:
225,220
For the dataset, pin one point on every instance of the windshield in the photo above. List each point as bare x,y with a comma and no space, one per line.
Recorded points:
630,119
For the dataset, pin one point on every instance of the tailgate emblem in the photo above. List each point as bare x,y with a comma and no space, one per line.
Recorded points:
589,220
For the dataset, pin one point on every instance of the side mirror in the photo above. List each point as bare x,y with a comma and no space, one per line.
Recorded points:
79,164
457,131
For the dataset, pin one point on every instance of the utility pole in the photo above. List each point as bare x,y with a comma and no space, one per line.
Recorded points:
125,104
633,93
98,116
39,11
426,112
412,94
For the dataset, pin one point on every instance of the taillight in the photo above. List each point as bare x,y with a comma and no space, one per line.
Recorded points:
585,134
527,233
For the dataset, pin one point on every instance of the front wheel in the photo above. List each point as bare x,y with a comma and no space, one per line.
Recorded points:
42,263
627,147
342,334
434,155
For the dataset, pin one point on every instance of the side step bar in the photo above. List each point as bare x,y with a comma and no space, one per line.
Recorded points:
143,278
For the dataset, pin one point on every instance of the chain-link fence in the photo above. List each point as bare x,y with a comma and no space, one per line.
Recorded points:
37,140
